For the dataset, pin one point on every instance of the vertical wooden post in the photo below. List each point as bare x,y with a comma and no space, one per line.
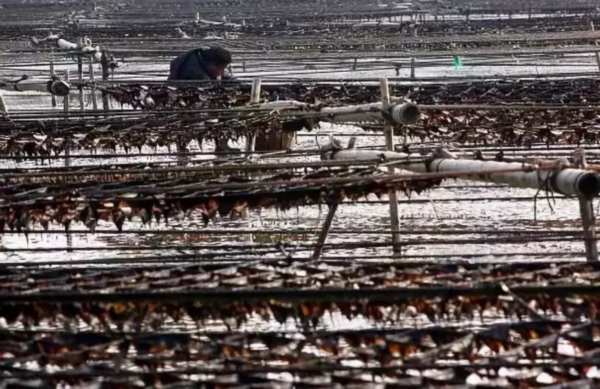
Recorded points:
66,107
389,143
52,74
3,106
589,229
596,43
67,98
3,113
412,68
588,219
251,145
325,231
80,73
104,63
92,81
254,98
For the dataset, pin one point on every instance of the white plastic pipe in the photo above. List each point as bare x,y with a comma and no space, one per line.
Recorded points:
402,113
570,182
65,44
57,87
85,46
282,104
367,155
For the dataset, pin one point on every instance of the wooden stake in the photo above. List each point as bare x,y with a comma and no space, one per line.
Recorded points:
254,98
324,231
596,43
92,81
588,219
52,73
389,142
251,145
104,63
66,107
589,228
3,107
80,73
67,98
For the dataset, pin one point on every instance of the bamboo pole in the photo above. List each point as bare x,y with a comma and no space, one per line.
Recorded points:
389,142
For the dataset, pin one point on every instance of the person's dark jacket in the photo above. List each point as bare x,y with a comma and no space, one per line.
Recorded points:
189,66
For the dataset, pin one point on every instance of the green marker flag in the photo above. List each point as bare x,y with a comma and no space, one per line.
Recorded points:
457,62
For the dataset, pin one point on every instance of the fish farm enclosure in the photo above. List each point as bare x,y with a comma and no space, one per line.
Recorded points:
404,195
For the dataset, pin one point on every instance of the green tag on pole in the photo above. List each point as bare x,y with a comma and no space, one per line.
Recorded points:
457,62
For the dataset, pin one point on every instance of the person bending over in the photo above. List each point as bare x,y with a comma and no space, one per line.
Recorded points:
203,64
200,64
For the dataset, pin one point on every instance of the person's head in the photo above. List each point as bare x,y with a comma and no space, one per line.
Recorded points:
216,60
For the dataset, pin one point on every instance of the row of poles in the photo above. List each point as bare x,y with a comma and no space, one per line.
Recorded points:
57,87
94,97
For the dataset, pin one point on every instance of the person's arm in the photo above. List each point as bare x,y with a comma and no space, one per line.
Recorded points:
174,69
230,79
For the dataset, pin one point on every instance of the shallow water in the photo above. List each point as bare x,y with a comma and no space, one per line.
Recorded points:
474,219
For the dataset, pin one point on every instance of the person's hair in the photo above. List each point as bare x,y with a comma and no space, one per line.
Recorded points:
217,56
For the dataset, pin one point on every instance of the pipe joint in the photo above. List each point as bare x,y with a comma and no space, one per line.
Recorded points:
59,88
405,113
